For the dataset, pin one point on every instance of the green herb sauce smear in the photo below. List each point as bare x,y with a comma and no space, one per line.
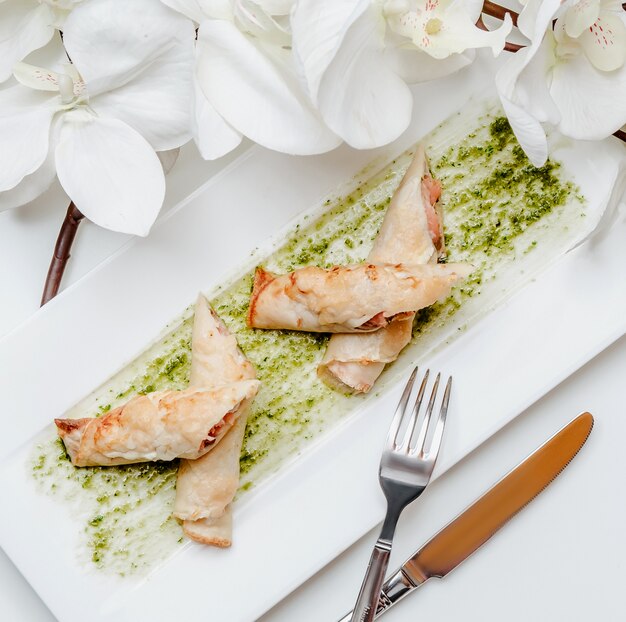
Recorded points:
498,208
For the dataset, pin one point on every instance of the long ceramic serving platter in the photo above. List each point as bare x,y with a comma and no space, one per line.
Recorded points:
318,504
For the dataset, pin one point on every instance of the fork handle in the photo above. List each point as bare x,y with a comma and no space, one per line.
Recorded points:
367,601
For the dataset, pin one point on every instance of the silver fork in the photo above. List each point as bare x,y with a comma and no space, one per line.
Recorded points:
405,470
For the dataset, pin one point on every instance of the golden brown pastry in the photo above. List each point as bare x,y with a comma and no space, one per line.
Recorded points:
212,531
412,232
207,486
348,299
158,426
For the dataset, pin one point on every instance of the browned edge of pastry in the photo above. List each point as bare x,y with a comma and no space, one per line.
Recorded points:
222,543
262,278
67,426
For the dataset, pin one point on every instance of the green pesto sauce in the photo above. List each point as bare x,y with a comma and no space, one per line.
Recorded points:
495,205
126,511
493,198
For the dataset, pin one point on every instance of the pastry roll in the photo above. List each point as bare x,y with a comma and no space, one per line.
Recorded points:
207,486
348,299
157,426
212,531
412,232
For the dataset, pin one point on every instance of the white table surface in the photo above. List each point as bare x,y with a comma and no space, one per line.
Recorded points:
561,559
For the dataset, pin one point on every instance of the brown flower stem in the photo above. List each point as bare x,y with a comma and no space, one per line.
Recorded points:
62,249
495,10
512,47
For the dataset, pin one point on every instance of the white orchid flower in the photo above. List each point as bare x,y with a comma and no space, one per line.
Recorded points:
444,27
571,76
595,28
357,57
27,25
246,80
97,122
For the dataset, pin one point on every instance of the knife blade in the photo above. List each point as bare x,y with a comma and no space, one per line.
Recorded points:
481,520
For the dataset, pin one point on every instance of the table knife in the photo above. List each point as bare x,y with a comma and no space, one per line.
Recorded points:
481,520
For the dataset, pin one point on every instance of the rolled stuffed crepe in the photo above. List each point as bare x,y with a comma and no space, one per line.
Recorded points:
207,486
348,299
157,426
412,232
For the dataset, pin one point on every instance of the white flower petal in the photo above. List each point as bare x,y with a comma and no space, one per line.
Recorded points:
110,172
604,43
415,66
522,82
37,78
189,8
360,96
533,22
528,131
25,25
581,16
592,102
473,8
147,81
276,7
319,27
213,136
25,118
526,127
256,91
52,55
157,102
532,88
443,27
251,18
217,9
66,83
30,187
36,183
111,41
199,10
534,19
41,72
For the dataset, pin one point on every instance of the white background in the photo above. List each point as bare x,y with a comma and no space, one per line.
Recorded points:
560,559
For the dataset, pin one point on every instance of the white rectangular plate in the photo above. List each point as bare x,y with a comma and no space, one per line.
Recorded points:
300,519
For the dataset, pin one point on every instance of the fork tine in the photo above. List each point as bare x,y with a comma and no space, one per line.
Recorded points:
414,415
435,444
419,443
400,410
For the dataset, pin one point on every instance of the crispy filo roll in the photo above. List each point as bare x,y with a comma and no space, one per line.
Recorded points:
411,232
207,486
348,299
157,426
